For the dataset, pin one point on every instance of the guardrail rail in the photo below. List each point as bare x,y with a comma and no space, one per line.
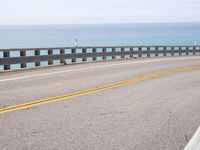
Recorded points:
24,56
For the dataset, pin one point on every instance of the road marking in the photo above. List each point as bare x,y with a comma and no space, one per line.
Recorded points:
94,90
194,143
96,67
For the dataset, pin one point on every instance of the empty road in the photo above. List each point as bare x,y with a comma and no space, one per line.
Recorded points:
149,104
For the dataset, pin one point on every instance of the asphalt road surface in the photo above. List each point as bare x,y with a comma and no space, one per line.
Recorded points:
161,113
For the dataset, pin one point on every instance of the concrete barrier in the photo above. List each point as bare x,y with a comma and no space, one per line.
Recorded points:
70,53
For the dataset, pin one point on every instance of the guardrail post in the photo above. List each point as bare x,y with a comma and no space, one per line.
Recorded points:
94,51
194,52
113,51
164,49
73,52
62,61
172,49
148,51
37,53
139,51
84,51
156,50
187,50
122,50
104,51
131,52
180,51
23,54
50,52
5,55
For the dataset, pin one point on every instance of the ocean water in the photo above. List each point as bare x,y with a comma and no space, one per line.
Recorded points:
97,35
38,36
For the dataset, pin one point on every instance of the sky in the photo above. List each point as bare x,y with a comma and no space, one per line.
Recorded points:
97,11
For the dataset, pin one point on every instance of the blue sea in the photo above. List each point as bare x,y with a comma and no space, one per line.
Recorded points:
41,36
97,35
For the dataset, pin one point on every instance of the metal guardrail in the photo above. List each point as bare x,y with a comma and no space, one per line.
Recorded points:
64,53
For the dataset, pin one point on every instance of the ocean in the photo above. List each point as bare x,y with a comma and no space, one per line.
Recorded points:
41,36
98,35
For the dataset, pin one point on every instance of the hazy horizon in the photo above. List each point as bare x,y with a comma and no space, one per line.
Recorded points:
115,23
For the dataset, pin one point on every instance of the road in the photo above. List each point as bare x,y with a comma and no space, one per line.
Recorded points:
144,113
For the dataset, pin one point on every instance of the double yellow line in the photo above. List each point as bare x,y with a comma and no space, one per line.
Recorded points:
93,90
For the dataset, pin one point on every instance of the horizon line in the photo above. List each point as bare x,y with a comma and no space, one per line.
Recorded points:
106,23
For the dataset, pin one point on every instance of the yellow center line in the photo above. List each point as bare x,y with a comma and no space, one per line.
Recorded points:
94,90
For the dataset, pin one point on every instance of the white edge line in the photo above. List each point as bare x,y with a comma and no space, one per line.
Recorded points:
194,143
87,68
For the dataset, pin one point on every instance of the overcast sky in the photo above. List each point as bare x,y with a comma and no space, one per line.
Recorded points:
97,11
